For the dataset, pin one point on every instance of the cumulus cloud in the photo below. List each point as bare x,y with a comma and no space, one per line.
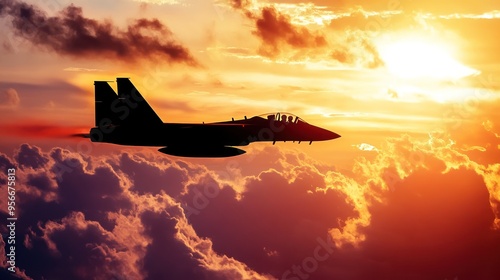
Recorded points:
28,156
113,225
148,177
145,216
71,33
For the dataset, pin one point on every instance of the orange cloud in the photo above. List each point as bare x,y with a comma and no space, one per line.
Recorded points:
281,39
374,181
276,31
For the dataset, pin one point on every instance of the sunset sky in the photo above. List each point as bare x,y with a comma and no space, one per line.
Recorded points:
410,191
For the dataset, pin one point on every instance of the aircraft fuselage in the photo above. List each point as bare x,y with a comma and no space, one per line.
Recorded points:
231,133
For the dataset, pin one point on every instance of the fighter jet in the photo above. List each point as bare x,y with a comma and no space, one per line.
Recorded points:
127,119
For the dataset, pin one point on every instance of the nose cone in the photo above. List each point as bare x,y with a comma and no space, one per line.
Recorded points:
333,135
321,134
329,135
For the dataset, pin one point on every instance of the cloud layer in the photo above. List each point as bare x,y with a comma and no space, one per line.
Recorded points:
146,216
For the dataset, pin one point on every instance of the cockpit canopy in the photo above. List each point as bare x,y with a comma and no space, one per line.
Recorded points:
283,117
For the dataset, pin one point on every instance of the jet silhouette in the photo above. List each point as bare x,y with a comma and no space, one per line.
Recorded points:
127,119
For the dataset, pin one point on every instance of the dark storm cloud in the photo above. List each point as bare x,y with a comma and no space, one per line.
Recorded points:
71,33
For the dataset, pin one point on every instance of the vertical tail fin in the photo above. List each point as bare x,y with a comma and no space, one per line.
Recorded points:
105,96
140,113
128,108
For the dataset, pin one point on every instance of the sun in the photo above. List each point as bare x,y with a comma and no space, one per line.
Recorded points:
419,58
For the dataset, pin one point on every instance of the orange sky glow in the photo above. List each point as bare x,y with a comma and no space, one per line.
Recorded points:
411,189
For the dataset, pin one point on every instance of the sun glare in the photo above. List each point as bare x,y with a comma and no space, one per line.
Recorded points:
419,58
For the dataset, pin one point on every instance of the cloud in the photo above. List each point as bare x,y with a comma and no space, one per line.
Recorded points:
160,227
148,177
445,221
401,158
94,251
365,147
4,272
495,14
282,39
273,213
238,4
276,31
71,33
466,6
356,48
160,2
84,218
9,99
433,175
413,204
80,69
28,156
358,18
